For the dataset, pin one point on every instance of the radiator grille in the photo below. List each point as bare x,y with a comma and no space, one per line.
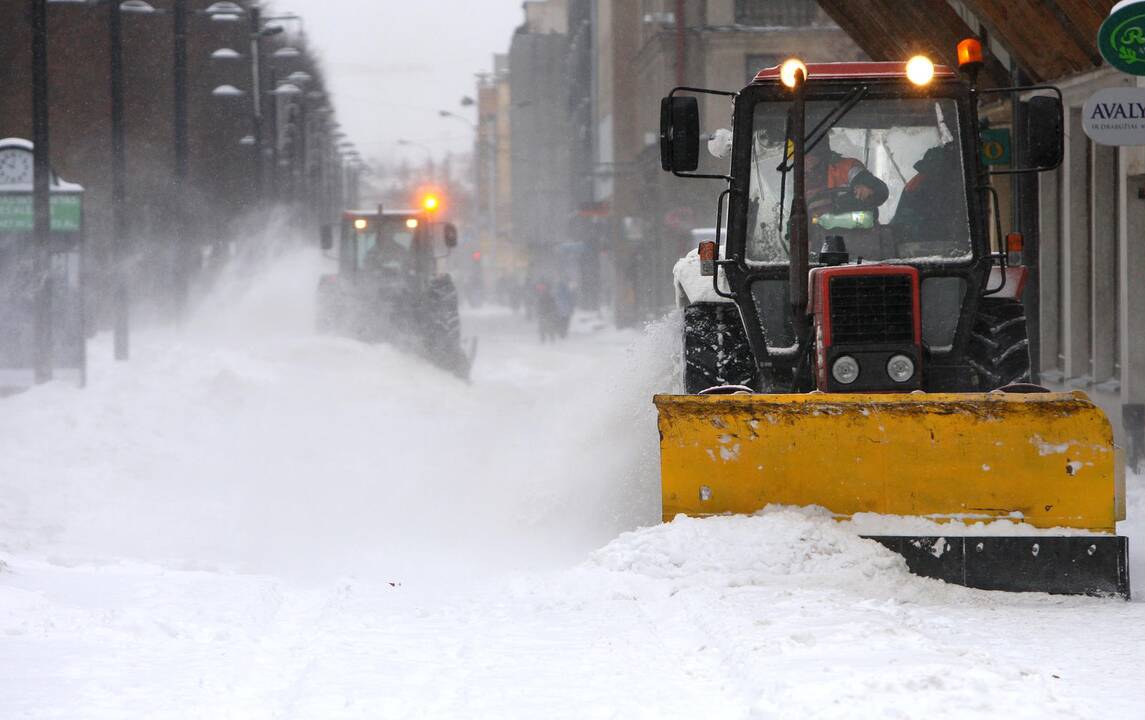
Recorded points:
872,309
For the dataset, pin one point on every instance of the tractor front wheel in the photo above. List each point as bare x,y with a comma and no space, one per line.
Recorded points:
999,347
715,348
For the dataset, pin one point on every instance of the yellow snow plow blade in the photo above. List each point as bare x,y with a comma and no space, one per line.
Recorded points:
1047,459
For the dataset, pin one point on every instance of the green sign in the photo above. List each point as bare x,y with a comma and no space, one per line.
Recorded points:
1121,38
17,214
995,147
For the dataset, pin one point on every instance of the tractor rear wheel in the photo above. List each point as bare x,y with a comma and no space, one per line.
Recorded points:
999,347
443,339
715,348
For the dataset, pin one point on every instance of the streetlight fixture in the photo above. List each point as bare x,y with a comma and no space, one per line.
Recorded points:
228,91
138,7
286,89
226,54
258,29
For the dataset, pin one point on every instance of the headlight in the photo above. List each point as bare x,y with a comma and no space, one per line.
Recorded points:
845,370
900,368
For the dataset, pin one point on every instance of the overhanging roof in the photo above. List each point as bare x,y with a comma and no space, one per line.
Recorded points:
1049,39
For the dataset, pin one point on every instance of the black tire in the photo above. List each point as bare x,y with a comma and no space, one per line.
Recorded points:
715,348
999,349
443,327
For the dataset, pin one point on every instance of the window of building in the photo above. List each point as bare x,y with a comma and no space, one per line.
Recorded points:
776,13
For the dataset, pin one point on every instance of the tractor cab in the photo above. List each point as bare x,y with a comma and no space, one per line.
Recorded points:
396,244
860,225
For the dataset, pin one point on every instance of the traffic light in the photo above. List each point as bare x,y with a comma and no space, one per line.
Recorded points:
430,202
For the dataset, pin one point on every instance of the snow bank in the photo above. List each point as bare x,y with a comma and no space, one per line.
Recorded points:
776,546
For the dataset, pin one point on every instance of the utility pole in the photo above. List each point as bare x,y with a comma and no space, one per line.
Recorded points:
120,224
182,253
41,191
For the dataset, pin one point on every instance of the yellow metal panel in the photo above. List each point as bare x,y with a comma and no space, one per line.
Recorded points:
1047,458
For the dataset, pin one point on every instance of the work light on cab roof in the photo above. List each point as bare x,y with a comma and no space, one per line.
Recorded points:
792,72
919,70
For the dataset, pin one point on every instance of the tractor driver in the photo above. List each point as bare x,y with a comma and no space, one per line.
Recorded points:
925,207
839,184
386,254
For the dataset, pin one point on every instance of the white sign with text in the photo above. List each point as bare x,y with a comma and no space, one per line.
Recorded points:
1115,116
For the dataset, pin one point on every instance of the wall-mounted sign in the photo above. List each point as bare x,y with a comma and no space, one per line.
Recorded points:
1121,38
17,212
995,147
1115,116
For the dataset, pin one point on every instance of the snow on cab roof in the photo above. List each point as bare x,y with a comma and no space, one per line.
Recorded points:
841,70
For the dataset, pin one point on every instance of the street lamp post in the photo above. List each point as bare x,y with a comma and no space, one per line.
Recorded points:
182,252
41,188
119,218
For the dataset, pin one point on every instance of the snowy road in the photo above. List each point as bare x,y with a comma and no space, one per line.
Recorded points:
250,521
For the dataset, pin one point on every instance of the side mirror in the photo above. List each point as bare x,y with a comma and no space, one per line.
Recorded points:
327,237
1044,132
450,235
679,133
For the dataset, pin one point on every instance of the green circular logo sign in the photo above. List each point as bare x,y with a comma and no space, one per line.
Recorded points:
1122,37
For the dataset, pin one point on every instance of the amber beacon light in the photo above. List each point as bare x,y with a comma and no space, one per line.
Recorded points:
969,53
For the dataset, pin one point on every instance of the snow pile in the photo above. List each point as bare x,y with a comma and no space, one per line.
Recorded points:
778,546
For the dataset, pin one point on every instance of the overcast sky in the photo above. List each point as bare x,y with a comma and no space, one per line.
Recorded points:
393,64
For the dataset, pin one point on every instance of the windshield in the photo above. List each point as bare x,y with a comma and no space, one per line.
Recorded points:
887,178
387,244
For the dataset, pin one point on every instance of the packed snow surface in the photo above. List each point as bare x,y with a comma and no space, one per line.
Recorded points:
251,521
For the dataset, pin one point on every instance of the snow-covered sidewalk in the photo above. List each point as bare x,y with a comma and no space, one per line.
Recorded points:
250,521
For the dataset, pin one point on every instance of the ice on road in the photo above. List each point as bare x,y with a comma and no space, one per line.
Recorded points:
251,521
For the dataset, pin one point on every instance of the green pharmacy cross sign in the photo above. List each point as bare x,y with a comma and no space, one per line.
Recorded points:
1122,37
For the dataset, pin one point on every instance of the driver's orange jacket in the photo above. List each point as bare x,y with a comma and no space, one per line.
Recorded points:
839,174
